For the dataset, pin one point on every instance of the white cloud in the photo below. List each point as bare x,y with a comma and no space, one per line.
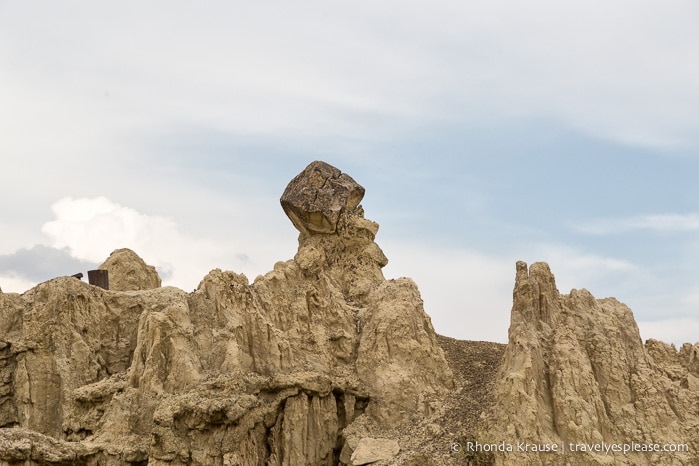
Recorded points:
631,283
92,228
614,70
14,283
468,295
89,89
577,269
678,331
655,222
623,70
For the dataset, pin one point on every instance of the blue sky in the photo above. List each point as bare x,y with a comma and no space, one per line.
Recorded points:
484,132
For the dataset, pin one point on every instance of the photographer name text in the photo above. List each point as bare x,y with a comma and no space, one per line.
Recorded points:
603,447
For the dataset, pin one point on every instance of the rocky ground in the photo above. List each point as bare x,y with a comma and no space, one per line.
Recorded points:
475,365
438,440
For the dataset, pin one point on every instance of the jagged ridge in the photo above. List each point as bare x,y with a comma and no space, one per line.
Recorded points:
296,368
324,362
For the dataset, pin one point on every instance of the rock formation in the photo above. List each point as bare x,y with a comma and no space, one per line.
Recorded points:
128,272
313,359
322,361
316,197
370,450
576,374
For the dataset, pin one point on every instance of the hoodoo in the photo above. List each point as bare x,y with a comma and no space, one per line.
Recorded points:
576,374
313,360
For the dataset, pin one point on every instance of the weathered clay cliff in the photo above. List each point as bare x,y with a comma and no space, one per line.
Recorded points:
576,378
312,364
322,361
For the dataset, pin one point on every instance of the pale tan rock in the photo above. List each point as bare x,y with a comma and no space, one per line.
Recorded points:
128,272
405,369
319,353
575,371
268,373
309,431
21,446
370,450
11,310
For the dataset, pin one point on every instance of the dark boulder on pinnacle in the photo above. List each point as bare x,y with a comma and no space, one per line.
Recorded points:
323,204
317,196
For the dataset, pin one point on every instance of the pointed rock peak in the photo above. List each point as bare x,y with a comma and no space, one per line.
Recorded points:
535,294
539,273
128,272
317,196
541,269
522,273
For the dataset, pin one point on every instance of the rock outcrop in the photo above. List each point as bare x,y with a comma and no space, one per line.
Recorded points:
576,377
293,369
370,450
324,362
128,272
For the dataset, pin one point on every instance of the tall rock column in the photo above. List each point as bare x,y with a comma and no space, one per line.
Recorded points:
397,355
576,374
335,238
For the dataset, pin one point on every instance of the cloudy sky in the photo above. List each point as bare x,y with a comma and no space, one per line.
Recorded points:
484,132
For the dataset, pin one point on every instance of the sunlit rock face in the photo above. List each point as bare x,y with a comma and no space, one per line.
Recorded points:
293,369
322,361
128,272
575,372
